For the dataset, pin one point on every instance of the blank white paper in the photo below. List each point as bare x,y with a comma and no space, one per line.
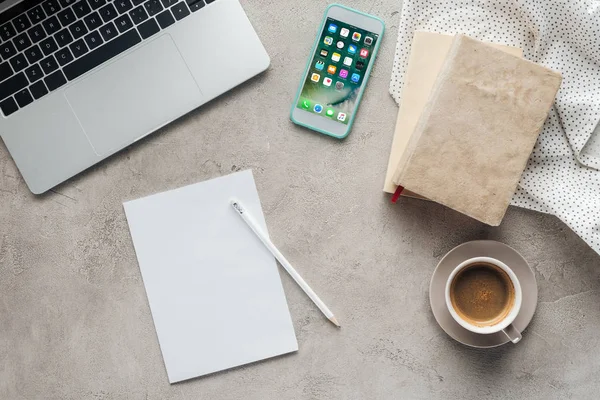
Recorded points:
214,289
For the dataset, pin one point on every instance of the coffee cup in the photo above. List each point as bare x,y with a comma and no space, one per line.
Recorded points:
484,296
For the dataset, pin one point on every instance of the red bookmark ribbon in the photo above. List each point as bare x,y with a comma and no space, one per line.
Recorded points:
397,194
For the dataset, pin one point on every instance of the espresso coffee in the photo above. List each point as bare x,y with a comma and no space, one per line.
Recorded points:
482,294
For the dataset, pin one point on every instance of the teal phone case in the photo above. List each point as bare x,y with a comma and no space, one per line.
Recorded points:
310,57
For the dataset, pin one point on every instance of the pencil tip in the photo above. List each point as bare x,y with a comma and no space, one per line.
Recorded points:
335,322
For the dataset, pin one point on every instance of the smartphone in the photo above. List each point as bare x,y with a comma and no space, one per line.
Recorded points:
337,71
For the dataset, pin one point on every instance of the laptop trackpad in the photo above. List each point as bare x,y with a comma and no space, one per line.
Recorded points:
133,96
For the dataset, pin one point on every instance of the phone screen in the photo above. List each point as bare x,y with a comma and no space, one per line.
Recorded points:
337,71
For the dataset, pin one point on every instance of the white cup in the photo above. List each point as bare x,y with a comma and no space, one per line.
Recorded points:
504,325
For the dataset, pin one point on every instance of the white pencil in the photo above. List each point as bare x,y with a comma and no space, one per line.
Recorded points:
242,212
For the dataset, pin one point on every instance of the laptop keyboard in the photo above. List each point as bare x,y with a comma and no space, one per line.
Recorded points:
46,45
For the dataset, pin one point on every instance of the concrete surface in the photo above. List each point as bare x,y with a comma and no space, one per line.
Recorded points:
75,322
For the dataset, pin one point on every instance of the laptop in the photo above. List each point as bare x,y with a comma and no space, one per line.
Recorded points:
82,79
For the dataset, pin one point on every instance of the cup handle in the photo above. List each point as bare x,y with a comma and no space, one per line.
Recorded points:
513,334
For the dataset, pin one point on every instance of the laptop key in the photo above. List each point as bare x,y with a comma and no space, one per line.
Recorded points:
66,3
138,15
165,19
22,42
9,106
148,28
13,84
54,81
195,5
78,48
38,90
7,50
51,7
123,23
81,9
36,14
180,11
168,3
78,29
34,73
5,70
137,2
93,21
153,7
33,54
63,37
23,97
7,31
102,54
93,40
123,6
66,17
49,64
48,46
108,12
51,25
18,62
36,33
108,31
64,56
21,23
96,4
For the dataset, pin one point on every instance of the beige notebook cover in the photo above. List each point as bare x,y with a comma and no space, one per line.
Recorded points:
477,130
427,56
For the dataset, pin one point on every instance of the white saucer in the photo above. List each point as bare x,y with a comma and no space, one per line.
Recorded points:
481,248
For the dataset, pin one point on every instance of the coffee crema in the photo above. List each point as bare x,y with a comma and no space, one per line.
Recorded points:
482,294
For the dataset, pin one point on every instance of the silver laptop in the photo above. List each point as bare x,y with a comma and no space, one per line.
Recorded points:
82,79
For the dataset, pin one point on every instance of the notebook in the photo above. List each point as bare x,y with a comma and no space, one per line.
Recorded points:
214,290
477,130
427,55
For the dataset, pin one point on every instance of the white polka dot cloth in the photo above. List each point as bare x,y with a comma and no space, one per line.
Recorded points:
563,173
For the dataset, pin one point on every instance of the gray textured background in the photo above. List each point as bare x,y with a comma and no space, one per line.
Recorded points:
75,322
